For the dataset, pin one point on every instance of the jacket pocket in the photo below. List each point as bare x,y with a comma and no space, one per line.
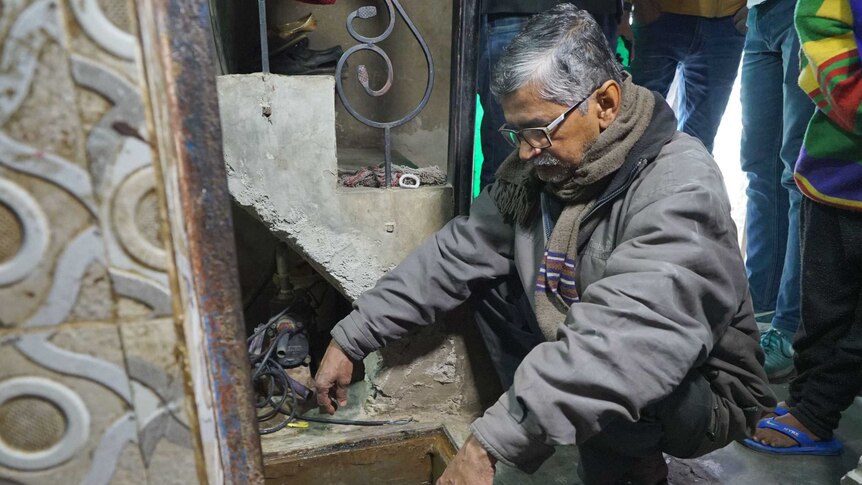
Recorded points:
718,432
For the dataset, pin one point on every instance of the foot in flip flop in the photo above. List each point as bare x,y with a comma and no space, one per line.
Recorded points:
784,434
780,410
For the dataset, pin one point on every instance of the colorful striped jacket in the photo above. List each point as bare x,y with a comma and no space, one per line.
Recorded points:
829,169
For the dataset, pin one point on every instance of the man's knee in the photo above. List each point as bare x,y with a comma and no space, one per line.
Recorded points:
697,421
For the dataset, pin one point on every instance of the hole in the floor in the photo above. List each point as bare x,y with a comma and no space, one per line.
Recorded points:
405,458
289,310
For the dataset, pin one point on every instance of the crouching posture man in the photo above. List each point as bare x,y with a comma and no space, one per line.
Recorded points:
614,298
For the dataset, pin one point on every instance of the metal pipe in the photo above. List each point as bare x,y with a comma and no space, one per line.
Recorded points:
282,279
462,104
264,42
281,346
387,156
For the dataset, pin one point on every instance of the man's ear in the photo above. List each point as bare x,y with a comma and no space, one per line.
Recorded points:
608,100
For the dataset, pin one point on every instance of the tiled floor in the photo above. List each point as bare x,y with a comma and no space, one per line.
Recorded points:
733,465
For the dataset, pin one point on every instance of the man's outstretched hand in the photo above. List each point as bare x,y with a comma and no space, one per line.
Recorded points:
471,466
332,378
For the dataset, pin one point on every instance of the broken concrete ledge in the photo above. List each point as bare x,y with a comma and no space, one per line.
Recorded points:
280,155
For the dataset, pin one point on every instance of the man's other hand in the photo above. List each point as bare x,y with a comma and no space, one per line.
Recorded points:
471,466
332,378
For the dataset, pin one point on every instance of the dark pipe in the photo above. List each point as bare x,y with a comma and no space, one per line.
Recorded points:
281,346
462,104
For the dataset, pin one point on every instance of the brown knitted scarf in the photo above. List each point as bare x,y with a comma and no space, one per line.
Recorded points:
517,190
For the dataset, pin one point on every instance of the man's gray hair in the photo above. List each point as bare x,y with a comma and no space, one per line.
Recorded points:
563,52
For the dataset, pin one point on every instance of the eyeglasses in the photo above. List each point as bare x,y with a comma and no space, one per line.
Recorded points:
537,137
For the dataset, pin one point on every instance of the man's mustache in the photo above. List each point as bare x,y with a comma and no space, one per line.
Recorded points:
545,160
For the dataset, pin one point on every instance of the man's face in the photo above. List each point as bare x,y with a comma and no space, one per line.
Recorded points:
569,141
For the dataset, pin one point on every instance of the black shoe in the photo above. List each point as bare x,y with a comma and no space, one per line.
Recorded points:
299,59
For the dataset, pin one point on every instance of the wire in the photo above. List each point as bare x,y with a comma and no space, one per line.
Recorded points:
257,332
268,354
278,408
352,422
266,366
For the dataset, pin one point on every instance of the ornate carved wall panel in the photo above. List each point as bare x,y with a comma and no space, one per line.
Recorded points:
91,390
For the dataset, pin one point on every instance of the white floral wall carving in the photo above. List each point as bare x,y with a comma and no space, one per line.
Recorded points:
86,328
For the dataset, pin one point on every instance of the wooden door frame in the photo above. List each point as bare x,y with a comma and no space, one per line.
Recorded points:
181,66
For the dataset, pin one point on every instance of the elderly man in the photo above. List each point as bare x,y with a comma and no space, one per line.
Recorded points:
636,318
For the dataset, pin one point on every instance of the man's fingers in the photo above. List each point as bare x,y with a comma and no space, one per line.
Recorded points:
341,394
323,399
327,406
333,378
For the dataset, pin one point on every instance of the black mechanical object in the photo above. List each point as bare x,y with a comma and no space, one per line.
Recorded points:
279,344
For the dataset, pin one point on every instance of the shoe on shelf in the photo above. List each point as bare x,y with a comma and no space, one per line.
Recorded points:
278,46
290,29
299,59
778,348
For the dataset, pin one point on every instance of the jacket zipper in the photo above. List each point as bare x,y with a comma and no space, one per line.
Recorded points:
641,163
546,223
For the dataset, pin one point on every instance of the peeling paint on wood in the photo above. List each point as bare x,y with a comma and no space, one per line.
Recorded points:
182,68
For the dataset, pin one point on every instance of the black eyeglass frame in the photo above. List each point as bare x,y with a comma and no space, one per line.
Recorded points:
545,130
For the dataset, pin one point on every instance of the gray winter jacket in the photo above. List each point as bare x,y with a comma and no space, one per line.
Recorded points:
663,291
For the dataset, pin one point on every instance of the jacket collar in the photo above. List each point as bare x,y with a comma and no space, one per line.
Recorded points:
661,129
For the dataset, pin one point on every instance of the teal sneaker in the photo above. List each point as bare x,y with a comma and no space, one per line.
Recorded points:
779,354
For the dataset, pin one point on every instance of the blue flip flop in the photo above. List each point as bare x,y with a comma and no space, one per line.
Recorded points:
806,446
780,411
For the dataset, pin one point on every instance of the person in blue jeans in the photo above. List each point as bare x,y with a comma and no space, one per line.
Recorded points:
500,21
775,114
703,43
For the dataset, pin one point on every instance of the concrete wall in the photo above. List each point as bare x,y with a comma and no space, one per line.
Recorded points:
423,141
282,167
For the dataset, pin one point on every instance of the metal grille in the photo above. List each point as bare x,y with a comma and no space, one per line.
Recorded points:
11,234
31,424
362,76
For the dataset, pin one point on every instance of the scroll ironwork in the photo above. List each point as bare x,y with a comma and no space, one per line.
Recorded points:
369,44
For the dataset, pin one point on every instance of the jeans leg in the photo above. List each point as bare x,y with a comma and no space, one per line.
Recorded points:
760,148
829,340
659,48
496,32
507,325
798,110
708,75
